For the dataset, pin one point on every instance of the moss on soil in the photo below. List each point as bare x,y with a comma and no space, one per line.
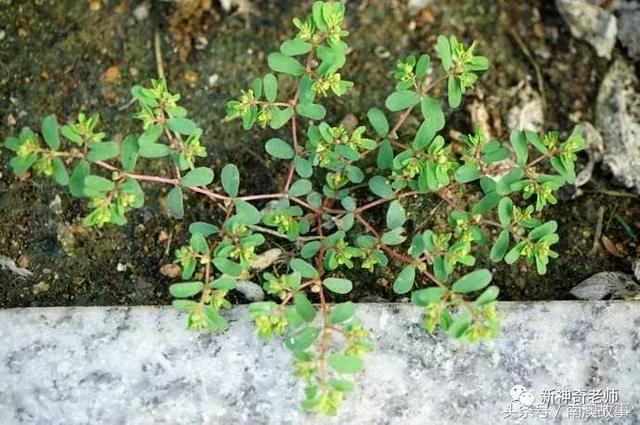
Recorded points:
56,55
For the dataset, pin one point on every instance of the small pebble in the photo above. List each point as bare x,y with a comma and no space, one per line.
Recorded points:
381,52
251,291
23,261
350,122
170,270
266,259
111,75
56,205
191,77
41,287
213,80
141,12
201,43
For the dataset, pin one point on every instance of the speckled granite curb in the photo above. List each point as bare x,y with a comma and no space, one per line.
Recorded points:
139,366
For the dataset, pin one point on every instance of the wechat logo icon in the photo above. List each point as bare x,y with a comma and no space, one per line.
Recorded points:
520,395
521,405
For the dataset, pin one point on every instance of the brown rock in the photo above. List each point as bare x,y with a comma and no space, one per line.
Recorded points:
111,75
170,270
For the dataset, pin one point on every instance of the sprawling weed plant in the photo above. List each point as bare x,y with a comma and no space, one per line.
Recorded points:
337,180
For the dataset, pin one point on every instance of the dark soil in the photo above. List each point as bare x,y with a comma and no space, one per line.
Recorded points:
63,57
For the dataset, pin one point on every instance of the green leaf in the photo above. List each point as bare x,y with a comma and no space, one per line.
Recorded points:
341,313
230,177
427,296
199,243
505,211
312,111
489,295
205,229
381,187
175,202
303,167
393,237
401,100
305,269
76,182
500,247
534,139
519,143
565,171
307,92
473,281
182,125
355,174
461,324
176,111
247,214
70,134
214,320
50,132
280,117
378,122
12,143
543,230
385,156
488,202
310,249
103,151
153,150
224,282
280,149
129,153
348,203
227,266
337,285
132,187
185,306
422,66
444,51
270,84
467,173
433,122
303,339
94,185
256,86
200,176
300,187
150,135
454,92
185,289
318,17
342,363
279,62
295,47
304,307
478,63
396,215
60,172
514,253
404,281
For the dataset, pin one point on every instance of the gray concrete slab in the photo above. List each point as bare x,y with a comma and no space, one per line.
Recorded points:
138,365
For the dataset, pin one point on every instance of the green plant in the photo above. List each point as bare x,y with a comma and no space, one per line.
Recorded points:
325,207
